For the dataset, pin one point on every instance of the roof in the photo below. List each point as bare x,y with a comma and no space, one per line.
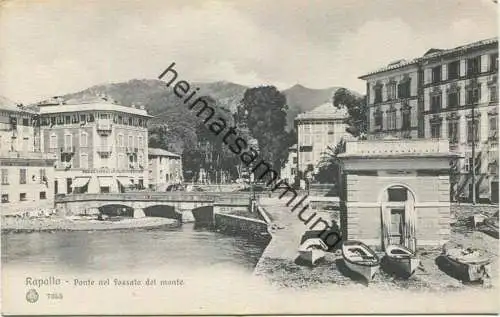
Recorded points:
161,152
90,106
431,53
324,111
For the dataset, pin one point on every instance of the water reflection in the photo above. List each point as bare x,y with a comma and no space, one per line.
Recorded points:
125,250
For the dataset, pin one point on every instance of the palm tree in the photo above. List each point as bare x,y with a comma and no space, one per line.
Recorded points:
330,166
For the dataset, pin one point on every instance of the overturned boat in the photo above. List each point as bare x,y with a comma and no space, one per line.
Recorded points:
401,260
468,264
359,258
311,250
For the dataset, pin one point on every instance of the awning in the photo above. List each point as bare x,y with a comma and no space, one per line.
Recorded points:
80,182
123,180
105,181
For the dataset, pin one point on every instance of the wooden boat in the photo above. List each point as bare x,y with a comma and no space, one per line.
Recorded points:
468,264
359,258
312,250
402,260
490,225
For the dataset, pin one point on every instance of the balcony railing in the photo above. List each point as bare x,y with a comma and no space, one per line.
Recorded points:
104,126
104,149
68,149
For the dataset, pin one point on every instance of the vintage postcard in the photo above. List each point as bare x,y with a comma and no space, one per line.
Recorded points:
249,157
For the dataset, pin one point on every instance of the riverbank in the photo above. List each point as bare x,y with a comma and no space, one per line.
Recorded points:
281,269
90,223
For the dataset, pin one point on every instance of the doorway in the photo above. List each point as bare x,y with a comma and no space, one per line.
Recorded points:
398,217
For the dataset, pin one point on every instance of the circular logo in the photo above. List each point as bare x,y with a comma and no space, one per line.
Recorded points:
32,296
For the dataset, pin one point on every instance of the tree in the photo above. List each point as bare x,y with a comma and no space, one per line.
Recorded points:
357,110
330,166
266,108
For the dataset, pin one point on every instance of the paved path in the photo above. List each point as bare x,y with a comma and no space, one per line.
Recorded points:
286,230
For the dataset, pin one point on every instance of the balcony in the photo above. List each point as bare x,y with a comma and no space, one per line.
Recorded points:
68,149
104,149
131,150
104,126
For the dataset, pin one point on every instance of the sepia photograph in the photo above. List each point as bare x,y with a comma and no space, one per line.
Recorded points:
249,157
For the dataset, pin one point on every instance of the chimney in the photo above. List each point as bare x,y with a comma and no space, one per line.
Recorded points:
142,107
132,105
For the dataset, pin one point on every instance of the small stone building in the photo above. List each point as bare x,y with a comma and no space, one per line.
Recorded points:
396,192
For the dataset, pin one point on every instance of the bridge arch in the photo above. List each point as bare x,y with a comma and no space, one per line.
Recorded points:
114,210
164,211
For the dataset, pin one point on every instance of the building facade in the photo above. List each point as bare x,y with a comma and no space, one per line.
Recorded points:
392,96
317,129
454,93
27,174
165,168
100,146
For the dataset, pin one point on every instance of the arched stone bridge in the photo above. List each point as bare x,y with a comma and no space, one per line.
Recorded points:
184,206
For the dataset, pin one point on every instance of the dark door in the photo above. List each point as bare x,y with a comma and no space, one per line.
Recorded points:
69,188
397,224
494,192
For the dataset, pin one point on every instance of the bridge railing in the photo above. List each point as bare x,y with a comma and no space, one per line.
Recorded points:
156,196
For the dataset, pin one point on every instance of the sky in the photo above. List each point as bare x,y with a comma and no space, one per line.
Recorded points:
54,47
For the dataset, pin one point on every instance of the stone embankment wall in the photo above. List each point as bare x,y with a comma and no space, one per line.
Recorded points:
241,225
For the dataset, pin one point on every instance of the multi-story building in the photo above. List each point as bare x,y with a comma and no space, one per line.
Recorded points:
101,146
165,168
392,97
27,174
455,95
317,129
289,170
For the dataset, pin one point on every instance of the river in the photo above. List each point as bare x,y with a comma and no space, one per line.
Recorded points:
139,250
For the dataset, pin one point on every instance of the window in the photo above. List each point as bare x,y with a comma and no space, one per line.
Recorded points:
473,131
90,118
493,62
23,197
493,123
22,176
454,70
122,162
53,142
453,132
391,119
69,188
436,74
130,121
83,118
474,94
26,122
404,89
294,160
67,141
141,142
493,94
435,103
5,198
67,119
83,139
436,129
5,176
391,91
120,120
120,140
60,120
43,176
74,119
378,118
453,99
378,94
84,160
406,118
43,195
131,141
474,65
